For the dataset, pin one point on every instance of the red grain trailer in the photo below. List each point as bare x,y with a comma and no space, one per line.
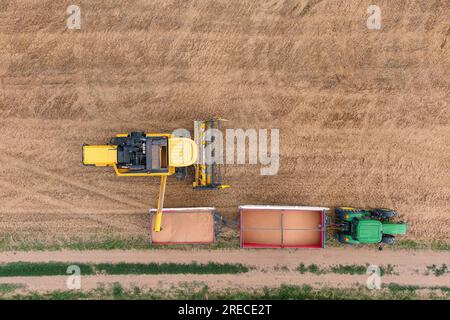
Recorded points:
282,226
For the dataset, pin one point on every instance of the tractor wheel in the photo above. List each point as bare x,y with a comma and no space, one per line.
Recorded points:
345,209
388,239
383,213
340,238
342,211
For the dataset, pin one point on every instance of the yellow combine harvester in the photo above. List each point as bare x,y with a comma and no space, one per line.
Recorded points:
140,154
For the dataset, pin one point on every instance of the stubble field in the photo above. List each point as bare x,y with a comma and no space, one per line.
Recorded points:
364,115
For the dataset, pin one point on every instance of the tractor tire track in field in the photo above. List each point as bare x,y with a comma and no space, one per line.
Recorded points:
42,172
68,208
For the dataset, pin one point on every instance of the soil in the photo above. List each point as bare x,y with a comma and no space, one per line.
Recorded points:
363,114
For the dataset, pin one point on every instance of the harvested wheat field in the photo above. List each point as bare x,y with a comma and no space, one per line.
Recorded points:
363,114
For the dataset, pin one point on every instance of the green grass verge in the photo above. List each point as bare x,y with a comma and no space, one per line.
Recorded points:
351,269
312,268
394,287
283,292
414,245
437,271
25,269
170,268
10,287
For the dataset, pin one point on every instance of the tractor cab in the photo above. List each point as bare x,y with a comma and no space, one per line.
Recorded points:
366,231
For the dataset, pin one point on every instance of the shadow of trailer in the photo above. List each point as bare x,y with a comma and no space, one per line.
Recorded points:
282,226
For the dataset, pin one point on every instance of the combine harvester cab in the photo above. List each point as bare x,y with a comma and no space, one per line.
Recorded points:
282,226
142,154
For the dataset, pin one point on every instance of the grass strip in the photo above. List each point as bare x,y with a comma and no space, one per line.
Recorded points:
283,292
351,269
170,268
10,287
25,269
438,271
15,269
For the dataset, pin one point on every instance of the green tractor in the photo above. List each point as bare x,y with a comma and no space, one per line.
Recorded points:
367,225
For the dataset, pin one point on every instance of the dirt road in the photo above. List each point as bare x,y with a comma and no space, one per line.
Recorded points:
262,258
251,280
363,114
270,268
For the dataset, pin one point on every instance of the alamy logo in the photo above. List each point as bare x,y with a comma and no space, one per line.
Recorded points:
232,148
73,281
374,20
74,19
374,279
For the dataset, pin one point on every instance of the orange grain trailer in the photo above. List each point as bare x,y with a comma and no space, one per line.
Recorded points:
282,226
185,226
